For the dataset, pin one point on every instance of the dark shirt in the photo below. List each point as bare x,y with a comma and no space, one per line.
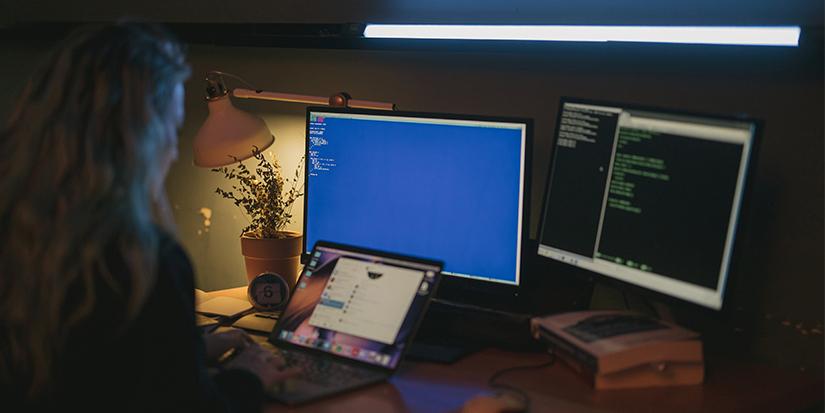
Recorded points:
152,363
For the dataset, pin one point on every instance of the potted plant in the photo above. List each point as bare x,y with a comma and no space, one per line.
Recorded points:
266,199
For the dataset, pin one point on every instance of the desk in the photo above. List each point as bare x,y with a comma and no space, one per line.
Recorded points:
730,386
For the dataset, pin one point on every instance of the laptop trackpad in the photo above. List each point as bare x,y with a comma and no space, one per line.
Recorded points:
296,390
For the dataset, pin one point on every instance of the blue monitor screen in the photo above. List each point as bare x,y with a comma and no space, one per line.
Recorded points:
442,188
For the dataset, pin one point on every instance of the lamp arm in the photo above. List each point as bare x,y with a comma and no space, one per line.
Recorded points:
341,99
368,104
280,97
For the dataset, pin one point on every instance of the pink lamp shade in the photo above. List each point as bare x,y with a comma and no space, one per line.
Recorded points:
229,133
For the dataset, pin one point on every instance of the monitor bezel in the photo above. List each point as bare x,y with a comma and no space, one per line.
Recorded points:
739,235
454,288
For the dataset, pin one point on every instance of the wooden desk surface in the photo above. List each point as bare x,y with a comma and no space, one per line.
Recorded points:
729,386
427,387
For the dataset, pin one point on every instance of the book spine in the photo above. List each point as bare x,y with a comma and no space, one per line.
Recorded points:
585,361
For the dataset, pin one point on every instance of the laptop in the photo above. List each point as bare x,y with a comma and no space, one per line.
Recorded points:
350,318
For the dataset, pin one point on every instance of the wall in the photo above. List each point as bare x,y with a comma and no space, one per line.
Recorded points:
781,279
750,12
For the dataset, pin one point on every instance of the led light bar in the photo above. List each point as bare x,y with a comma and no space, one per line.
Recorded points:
723,35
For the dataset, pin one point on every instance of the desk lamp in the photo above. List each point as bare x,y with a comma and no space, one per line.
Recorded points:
229,135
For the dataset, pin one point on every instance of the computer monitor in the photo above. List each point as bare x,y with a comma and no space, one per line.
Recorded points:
447,187
649,198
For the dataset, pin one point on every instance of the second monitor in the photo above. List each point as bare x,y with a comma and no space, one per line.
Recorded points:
648,197
449,187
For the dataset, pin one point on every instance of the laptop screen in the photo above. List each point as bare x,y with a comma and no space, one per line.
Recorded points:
357,305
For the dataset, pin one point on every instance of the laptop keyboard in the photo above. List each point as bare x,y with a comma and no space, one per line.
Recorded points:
323,371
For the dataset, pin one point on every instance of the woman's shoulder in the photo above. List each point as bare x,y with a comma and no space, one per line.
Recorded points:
173,263
170,249
170,266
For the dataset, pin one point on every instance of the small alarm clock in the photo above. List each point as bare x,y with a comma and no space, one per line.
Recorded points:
268,292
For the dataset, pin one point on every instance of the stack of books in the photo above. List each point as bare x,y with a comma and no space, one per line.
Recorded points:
619,349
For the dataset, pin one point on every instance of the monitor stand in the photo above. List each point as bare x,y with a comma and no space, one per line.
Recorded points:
451,331
607,297
443,350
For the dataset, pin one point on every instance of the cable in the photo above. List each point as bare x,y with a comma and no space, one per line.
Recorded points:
513,389
654,312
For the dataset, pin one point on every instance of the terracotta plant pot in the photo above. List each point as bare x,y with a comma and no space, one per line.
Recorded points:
279,255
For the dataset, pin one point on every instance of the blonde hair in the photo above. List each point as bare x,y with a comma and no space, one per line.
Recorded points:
77,164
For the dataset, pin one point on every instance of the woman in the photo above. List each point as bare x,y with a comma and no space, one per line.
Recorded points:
96,298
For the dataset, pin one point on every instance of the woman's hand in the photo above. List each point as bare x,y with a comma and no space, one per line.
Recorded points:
263,363
219,343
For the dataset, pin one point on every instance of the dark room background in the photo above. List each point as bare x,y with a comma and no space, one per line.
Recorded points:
779,284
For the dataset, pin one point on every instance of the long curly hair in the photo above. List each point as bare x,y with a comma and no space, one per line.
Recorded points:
78,177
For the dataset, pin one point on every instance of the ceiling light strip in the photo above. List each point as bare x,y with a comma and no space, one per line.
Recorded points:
720,35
